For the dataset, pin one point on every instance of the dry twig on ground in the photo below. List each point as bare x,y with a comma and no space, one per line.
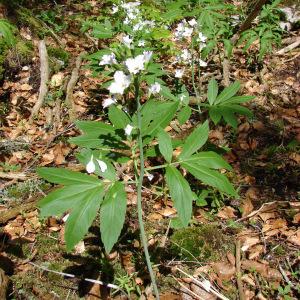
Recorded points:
71,86
44,68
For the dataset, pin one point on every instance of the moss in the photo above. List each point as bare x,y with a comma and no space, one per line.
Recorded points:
205,243
3,53
58,58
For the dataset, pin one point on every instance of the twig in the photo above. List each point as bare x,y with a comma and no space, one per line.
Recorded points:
289,47
226,72
238,269
71,86
17,176
188,290
44,68
211,289
284,275
109,285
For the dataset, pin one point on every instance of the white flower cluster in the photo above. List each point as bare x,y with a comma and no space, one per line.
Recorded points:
185,29
133,16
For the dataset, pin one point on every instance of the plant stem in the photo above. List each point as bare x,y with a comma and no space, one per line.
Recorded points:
139,178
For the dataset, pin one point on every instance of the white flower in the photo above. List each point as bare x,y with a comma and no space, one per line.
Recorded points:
179,73
150,176
181,98
115,9
138,26
109,101
201,37
128,129
147,56
127,41
186,55
141,43
102,165
202,63
155,88
90,167
108,59
193,22
135,65
122,81
188,31
130,5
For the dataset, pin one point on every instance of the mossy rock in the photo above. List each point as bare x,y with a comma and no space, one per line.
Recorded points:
204,243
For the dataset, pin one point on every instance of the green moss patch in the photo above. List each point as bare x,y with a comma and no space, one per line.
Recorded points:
205,243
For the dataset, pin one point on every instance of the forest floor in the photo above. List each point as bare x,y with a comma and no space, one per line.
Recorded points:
260,229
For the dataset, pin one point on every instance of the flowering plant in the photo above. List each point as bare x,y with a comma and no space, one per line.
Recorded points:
140,107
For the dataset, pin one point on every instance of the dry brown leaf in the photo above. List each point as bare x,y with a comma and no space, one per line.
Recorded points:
256,251
225,271
274,224
249,242
296,219
295,238
248,278
227,212
295,157
247,207
168,211
263,269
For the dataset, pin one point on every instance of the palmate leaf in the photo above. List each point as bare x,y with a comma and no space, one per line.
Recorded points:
82,196
112,215
181,194
226,105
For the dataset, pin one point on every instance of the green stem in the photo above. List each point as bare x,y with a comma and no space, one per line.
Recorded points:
139,178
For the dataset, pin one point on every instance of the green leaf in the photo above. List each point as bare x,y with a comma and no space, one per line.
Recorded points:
238,99
209,159
210,177
195,141
161,117
82,216
228,92
215,114
112,215
184,115
212,91
81,196
181,194
95,128
66,177
102,31
61,200
118,117
165,145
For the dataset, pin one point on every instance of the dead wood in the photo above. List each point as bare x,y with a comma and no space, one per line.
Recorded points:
71,85
4,281
238,269
44,68
18,176
289,47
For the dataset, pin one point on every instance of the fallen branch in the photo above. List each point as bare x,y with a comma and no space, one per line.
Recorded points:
226,72
204,285
44,68
71,85
18,176
13,212
289,47
238,269
109,285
